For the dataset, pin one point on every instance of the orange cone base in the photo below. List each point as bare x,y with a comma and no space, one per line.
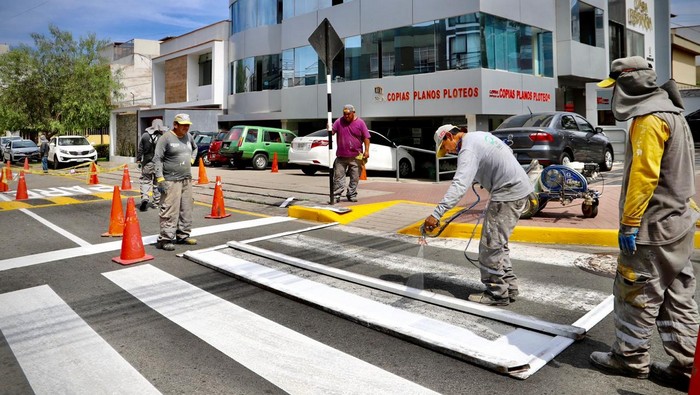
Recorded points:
217,216
107,234
121,261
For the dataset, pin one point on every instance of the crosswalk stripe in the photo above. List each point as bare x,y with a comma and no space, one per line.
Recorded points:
562,296
273,351
59,353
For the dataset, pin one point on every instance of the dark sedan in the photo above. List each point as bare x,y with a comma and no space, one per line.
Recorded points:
556,138
203,142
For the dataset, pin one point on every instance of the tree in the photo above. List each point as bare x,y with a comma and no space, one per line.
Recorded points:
58,86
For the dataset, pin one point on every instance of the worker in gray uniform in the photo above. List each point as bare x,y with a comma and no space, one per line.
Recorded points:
173,158
486,159
654,284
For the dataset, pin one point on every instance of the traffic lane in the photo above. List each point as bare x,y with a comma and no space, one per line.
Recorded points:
23,234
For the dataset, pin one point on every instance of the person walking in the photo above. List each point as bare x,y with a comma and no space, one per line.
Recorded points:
44,152
490,162
655,283
173,158
144,159
352,149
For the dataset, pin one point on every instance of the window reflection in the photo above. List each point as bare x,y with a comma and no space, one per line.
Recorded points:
587,24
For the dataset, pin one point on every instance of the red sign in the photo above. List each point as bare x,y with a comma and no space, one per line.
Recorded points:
517,94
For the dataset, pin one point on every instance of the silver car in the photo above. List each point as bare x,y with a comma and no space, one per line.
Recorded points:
18,150
556,138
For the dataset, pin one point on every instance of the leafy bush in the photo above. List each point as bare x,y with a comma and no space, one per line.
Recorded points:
102,150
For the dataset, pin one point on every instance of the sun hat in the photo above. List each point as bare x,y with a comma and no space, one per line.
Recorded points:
439,137
624,65
183,119
157,124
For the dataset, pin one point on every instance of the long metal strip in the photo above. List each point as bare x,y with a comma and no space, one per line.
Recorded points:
509,317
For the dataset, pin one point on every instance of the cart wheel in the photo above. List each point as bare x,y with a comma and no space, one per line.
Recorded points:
589,210
532,206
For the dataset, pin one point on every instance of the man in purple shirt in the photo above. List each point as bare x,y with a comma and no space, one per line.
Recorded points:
352,137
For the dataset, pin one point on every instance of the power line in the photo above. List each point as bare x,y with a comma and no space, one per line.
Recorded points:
24,12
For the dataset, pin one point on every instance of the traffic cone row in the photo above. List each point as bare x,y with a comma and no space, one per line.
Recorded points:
218,210
116,220
132,244
202,173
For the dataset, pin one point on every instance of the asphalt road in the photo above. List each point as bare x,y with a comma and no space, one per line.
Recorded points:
75,321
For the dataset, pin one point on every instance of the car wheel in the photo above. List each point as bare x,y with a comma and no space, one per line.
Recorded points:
405,169
205,159
565,158
260,162
308,170
55,163
607,160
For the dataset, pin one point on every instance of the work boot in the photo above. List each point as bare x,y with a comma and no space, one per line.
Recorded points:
670,375
352,199
488,299
165,245
513,295
144,205
608,363
154,205
188,241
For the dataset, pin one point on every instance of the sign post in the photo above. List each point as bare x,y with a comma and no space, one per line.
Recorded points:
325,41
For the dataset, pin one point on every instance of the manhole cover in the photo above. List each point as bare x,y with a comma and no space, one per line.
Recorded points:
601,264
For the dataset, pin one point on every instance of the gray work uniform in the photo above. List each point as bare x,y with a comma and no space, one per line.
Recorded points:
173,161
146,149
487,160
656,285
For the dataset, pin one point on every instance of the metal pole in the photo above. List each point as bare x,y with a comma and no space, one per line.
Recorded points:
329,67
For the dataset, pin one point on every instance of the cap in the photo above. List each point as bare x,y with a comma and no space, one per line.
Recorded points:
624,65
348,108
439,137
183,119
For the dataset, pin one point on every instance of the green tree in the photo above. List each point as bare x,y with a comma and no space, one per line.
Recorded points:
58,86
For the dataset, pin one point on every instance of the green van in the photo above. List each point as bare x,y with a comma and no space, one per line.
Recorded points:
256,145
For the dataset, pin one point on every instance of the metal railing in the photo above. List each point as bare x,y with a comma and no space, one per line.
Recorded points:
437,161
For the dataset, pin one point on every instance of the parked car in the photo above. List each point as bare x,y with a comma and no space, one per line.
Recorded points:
556,138
4,141
310,153
693,120
203,142
197,133
70,149
18,150
256,145
214,156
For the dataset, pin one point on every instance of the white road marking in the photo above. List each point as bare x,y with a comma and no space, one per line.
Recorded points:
90,249
288,359
561,296
59,353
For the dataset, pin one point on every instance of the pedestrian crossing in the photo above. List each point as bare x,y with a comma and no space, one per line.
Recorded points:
59,352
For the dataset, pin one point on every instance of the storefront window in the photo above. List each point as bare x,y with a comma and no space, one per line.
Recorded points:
635,43
587,24
244,70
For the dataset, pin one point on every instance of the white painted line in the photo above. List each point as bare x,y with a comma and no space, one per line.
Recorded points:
291,361
52,256
562,296
292,232
480,310
59,353
435,334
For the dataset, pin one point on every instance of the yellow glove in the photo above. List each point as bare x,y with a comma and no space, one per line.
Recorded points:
192,161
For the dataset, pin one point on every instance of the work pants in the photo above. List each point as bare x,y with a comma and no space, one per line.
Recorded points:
341,168
494,258
655,287
148,182
176,206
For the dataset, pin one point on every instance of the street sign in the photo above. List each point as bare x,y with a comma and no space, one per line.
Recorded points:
326,42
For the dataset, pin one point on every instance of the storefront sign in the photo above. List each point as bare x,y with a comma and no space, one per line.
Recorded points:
603,98
430,94
639,15
518,94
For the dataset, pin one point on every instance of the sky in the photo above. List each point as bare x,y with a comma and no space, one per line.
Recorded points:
123,20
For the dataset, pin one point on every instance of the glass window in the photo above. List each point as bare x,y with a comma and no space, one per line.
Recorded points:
305,66
501,43
305,6
583,125
269,69
251,136
356,60
545,57
272,137
287,68
567,122
587,24
287,8
527,121
245,70
463,36
635,43
205,66
617,40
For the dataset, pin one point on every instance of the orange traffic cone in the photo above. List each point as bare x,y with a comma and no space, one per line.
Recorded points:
274,163
3,181
218,210
202,173
132,244
26,163
363,173
21,188
126,180
116,219
9,171
92,175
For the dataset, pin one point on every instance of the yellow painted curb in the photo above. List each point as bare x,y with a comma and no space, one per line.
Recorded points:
320,214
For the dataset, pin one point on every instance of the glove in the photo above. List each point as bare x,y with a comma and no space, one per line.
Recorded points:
138,164
162,188
627,239
192,161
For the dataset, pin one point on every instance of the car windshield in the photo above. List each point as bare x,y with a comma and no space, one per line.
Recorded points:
202,139
234,134
23,144
73,141
520,121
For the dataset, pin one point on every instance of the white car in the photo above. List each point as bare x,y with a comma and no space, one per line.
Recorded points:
70,150
310,152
